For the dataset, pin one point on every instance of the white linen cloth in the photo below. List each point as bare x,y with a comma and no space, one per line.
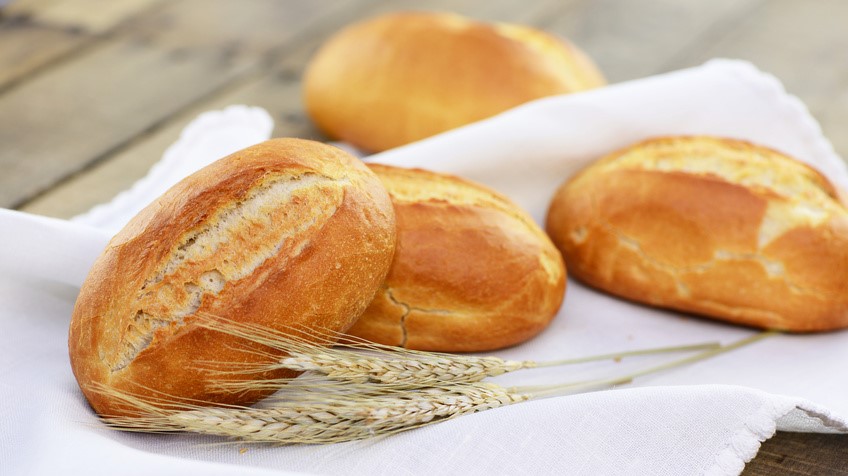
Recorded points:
706,418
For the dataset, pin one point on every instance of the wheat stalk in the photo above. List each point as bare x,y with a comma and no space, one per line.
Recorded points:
313,416
335,419
366,362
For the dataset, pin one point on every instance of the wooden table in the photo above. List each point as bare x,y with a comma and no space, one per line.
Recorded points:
93,91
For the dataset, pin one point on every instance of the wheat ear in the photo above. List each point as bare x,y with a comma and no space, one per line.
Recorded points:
366,362
333,418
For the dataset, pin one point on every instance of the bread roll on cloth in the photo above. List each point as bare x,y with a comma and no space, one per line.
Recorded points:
472,271
712,226
401,77
284,234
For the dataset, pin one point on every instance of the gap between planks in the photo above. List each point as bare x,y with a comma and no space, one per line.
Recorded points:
276,88
278,91
135,79
35,37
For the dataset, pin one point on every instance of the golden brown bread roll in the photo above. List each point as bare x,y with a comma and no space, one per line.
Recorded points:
717,227
401,77
471,272
284,233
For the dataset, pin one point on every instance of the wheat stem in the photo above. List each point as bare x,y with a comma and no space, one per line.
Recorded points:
363,362
629,353
552,390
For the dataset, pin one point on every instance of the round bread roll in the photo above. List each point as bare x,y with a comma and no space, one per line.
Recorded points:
401,77
285,233
716,227
472,271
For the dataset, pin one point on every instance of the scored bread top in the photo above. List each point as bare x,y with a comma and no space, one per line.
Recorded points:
282,234
272,216
715,226
732,160
801,194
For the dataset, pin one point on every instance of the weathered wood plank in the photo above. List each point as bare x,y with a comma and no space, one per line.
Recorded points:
26,7
790,39
94,16
58,122
804,44
277,90
251,27
631,40
26,46
127,85
36,33
801,454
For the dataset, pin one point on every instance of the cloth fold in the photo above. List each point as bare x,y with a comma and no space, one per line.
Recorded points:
706,418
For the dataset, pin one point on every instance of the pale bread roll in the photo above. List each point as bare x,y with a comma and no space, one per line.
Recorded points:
717,227
472,271
284,233
401,77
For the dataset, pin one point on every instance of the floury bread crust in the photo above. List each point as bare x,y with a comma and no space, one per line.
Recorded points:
401,77
717,227
285,233
472,272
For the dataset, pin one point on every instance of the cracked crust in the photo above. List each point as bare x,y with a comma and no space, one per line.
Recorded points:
401,77
284,233
472,272
712,226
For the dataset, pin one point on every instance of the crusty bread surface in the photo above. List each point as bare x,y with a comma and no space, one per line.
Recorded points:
717,227
401,77
472,271
283,234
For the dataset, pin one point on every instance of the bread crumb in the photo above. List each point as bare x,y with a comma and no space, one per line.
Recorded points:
242,451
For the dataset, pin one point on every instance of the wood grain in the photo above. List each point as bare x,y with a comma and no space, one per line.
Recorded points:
628,49
26,46
207,25
94,16
66,119
125,86
277,89
270,87
805,44
37,33
26,7
801,454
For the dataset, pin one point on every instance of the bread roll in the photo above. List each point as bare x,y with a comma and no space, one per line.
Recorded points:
401,77
284,233
717,227
472,271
